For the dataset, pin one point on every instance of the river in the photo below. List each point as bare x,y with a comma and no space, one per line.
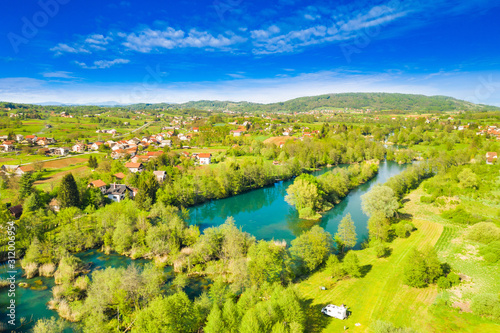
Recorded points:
262,213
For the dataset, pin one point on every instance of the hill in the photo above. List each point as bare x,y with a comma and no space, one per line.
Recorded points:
392,102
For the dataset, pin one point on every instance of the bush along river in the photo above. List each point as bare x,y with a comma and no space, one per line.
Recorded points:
261,212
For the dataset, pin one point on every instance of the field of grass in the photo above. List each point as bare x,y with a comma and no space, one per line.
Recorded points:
442,147
381,294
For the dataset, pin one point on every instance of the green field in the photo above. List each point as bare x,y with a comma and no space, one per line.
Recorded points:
381,294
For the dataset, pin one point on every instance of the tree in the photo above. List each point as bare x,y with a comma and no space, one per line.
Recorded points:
351,264
268,262
215,323
334,267
93,162
378,226
33,202
231,316
415,273
26,184
312,247
305,192
380,199
68,192
468,179
346,233
146,196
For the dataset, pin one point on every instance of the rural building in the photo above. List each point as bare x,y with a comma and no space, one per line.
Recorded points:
118,192
339,312
119,175
205,158
78,148
134,167
30,138
7,147
54,205
96,145
16,211
237,132
491,157
98,184
160,176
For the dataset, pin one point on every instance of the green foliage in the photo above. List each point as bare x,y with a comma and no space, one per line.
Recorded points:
26,184
381,200
346,233
215,323
443,283
468,178
334,267
268,262
491,252
460,216
487,305
483,232
387,327
403,229
351,264
378,226
51,325
33,202
92,163
422,268
68,194
312,247
174,314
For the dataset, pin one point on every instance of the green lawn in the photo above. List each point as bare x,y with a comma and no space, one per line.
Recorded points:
381,294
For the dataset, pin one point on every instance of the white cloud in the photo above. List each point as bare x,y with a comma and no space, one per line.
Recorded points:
59,75
148,40
65,48
102,64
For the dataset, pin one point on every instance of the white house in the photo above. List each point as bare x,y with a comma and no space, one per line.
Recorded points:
134,167
339,312
78,148
491,157
160,176
205,158
118,192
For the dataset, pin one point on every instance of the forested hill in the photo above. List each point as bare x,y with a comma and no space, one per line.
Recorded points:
374,101
390,102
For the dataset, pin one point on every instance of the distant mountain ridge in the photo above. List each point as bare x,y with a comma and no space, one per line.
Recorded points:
376,101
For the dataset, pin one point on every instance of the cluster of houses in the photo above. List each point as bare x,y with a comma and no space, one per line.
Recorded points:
489,130
491,157
9,145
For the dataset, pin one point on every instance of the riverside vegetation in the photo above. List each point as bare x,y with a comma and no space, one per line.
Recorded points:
432,234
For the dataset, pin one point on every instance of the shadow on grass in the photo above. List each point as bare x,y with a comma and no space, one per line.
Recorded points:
365,270
316,321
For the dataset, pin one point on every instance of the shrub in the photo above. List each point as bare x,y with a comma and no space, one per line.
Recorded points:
403,230
426,199
454,279
47,270
309,213
460,215
443,283
486,305
30,270
387,327
484,232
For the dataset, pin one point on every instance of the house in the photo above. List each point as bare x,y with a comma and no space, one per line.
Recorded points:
154,153
160,176
205,158
119,175
134,167
139,158
61,151
7,147
9,168
96,145
19,137
167,143
78,148
16,211
98,184
491,157
196,129
237,132
42,141
23,169
30,138
54,205
339,312
118,192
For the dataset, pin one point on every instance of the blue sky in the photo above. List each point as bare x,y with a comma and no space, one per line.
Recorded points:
76,51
